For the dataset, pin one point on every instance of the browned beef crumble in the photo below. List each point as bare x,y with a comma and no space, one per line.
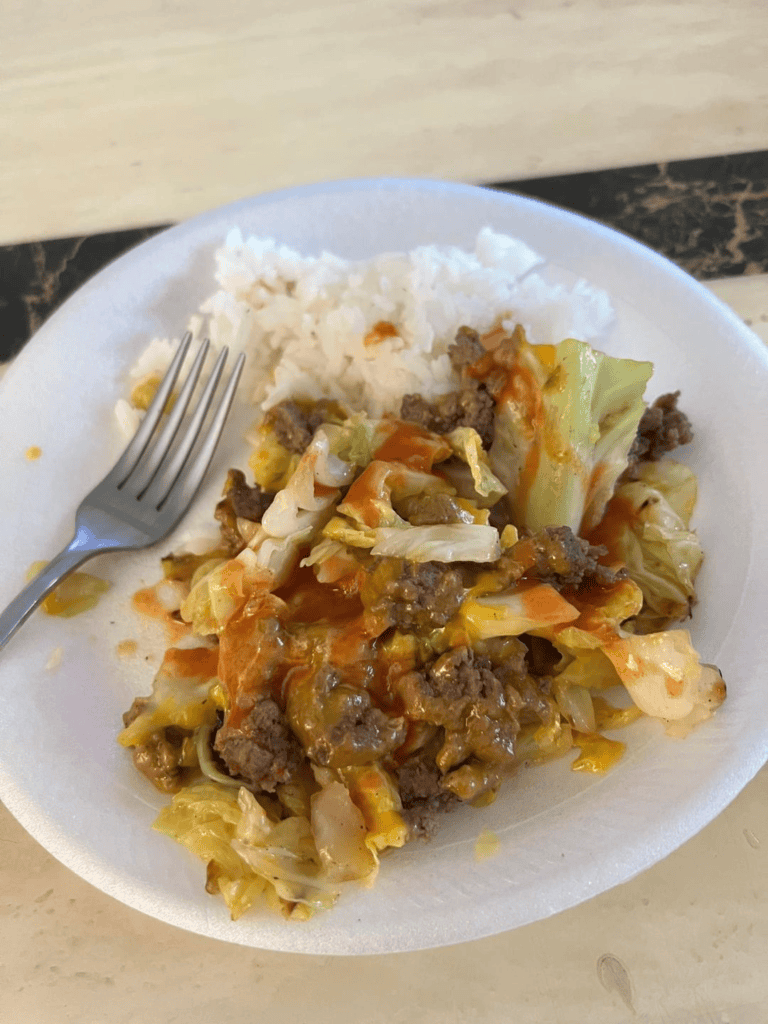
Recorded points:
461,693
432,510
291,424
424,798
471,406
565,560
339,724
239,501
424,596
262,751
466,349
561,559
663,427
295,423
476,708
160,758
537,704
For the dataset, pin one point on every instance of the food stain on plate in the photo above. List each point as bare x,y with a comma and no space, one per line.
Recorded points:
76,594
487,845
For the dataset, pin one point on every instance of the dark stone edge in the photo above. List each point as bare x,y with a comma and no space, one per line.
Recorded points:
708,215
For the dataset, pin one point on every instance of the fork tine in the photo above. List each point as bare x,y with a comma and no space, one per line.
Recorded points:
140,440
185,488
172,464
138,481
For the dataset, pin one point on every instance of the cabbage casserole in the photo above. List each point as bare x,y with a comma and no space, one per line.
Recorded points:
401,612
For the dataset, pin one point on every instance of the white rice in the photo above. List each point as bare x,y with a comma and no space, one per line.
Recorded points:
303,320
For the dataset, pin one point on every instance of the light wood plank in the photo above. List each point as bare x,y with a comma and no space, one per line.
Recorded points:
128,113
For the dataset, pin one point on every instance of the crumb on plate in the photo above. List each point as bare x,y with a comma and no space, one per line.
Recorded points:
55,659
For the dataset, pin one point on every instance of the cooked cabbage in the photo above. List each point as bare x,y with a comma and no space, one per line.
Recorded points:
650,536
182,696
517,611
453,542
564,425
468,445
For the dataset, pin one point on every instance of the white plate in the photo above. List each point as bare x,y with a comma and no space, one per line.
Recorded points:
564,836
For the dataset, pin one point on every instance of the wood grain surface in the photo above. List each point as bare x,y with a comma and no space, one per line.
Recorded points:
124,113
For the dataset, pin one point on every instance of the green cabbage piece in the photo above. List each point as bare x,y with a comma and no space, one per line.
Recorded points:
564,428
468,445
453,542
661,554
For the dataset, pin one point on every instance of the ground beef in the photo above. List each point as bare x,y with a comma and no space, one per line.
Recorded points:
476,707
662,429
536,703
507,655
363,733
239,501
458,682
420,783
295,424
338,723
160,758
432,510
466,349
291,424
470,406
565,560
262,750
424,596
462,694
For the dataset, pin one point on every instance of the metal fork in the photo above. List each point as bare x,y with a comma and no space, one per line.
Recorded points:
141,500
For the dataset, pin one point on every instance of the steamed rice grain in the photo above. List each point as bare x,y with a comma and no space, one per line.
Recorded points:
303,321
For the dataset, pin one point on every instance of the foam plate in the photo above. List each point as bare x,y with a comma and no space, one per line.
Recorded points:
564,836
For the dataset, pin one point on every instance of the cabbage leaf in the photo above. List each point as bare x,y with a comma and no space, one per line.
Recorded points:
452,542
468,445
652,539
517,611
565,422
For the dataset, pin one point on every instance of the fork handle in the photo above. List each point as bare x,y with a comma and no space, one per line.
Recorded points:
22,606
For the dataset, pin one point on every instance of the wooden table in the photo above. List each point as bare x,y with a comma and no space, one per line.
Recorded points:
128,115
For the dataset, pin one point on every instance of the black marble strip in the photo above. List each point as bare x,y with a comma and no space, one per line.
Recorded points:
36,277
708,215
